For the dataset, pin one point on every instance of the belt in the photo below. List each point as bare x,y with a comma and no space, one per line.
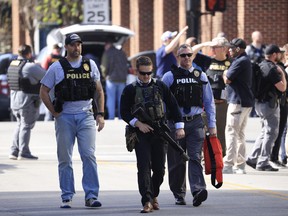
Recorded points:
219,101
191,118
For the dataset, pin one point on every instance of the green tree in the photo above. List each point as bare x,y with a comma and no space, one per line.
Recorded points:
61,12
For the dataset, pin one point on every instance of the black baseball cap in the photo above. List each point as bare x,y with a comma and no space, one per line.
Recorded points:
272,48
71,38
238,42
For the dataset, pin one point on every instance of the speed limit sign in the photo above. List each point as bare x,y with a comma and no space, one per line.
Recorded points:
96,12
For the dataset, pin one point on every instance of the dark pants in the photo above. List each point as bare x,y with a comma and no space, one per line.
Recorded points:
283,120
192,143
151,156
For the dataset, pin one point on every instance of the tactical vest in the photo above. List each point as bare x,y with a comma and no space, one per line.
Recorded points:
150,99
215,76
77,83
187,89
16,80
267,89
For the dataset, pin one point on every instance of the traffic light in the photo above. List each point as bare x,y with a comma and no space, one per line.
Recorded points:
215,5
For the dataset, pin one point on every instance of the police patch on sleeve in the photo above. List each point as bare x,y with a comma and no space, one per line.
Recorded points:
86,67
196,73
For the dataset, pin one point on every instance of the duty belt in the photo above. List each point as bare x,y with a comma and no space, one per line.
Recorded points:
190,118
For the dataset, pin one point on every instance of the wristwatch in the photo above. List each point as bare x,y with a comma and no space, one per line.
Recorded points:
100,113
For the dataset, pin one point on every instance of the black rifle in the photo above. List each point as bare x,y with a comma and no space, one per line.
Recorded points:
162,130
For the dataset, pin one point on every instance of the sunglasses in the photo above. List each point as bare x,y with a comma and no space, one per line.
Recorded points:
186,54
145,73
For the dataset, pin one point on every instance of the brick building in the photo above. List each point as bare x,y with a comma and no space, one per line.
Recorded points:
150,18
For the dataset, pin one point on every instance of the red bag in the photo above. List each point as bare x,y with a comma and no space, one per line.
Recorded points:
213,159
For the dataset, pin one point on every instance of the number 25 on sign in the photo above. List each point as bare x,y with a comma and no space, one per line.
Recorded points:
96,12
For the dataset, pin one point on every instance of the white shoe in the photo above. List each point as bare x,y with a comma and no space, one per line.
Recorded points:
239,171
277,164
227,170
66,204
12,157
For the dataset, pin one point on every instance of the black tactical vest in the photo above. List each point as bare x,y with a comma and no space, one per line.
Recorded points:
187,87
150,99
267,88
77,83
215,76
16,80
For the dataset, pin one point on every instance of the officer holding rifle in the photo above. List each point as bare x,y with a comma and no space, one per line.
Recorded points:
155,98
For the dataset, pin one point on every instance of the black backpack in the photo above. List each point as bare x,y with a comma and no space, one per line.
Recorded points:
256,80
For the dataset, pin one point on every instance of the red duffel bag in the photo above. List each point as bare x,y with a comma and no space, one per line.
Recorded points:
213,160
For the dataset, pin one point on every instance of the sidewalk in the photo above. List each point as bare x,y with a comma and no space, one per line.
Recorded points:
29,188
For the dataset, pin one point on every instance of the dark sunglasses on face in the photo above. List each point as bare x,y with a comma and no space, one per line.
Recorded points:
145,73
183,55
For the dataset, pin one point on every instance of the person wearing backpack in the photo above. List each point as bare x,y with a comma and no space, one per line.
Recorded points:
273,84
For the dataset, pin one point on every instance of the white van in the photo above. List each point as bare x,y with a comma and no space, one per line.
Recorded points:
93,37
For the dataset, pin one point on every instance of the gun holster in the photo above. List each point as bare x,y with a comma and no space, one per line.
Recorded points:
131,138
273,101
58,105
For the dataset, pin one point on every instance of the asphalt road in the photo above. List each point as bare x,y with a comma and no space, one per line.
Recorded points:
29,188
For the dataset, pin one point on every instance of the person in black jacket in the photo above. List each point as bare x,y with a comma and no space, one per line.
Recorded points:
273,83
154,97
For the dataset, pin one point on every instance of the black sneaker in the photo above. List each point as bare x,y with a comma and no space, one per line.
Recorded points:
277,164
284,160
249,163
92,202
180,201
267,168
27,157
199,197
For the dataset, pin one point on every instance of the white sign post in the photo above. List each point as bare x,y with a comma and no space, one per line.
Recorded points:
96,12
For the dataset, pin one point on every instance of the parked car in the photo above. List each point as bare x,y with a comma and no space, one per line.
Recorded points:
5,60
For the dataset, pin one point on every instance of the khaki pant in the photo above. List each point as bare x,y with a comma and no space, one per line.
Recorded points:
235,135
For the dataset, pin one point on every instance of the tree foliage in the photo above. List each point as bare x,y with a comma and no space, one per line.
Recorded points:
45,12
5,26
61,12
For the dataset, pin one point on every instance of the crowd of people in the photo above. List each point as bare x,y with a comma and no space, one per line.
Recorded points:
192,94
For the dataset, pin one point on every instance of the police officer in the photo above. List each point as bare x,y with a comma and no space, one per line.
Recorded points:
192,90
24,80
273,83
151,95
74,79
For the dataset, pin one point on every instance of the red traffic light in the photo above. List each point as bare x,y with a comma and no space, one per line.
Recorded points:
215,5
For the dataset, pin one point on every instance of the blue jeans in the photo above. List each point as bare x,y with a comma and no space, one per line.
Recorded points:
113,92
68,127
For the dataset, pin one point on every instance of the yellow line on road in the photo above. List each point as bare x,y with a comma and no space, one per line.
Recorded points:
260,190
